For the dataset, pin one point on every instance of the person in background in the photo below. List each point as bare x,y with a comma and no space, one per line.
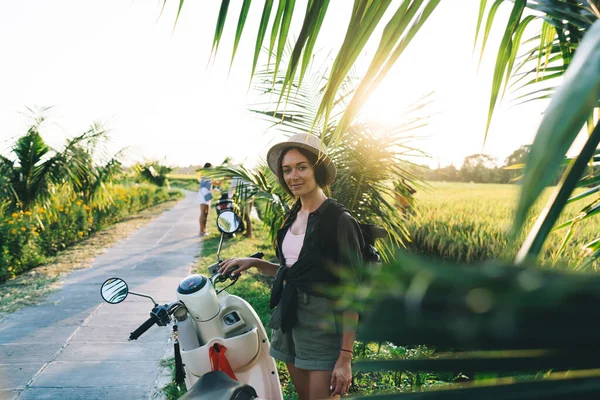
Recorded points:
204,196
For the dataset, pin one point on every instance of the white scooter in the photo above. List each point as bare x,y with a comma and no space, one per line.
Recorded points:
216,335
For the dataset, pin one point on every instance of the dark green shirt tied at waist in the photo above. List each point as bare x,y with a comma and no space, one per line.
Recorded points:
311,274
284,295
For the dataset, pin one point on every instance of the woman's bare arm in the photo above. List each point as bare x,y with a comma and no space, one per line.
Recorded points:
265,267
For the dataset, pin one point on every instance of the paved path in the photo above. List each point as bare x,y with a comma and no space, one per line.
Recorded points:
74,346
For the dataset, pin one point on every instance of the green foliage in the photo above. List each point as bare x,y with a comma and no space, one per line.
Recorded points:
172,390
366,16
29,177
153,172
370,158
181,181
91,180
397,34
50,199
378,381
567,113
537,319
28,237
260,185
477,167
519,156
483,168
545,56
569,47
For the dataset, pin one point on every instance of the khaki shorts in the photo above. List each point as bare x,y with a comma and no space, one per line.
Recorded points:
315,341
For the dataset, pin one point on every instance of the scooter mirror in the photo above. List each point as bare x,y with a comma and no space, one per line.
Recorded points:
114,290
228,221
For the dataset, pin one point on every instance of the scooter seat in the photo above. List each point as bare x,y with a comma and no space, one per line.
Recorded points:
217,385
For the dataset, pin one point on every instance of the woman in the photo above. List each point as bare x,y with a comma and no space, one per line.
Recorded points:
205,196
313,339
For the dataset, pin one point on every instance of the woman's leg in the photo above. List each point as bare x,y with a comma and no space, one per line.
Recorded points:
300,381
320,381
200,220
203,217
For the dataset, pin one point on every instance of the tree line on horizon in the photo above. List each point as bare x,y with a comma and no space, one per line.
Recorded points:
480,168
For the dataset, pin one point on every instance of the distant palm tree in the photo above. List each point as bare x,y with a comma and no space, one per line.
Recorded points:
92,178
35,167
153,172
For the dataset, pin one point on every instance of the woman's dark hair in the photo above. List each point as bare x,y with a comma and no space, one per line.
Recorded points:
320,172
208,165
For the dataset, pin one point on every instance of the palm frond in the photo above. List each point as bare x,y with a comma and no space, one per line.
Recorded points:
366,16
399,32
564,25
567,113
493,307
219,27
369,158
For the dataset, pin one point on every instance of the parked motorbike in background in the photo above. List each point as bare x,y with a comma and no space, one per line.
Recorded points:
221,347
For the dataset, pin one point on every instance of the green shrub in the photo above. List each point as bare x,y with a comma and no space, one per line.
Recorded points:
28,237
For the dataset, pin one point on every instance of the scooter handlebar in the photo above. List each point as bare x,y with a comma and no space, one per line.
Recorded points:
143,328
218,277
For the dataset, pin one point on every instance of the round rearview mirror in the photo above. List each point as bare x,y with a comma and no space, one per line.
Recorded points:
114,290
228,221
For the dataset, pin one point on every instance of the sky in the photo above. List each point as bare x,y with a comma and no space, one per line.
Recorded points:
118,63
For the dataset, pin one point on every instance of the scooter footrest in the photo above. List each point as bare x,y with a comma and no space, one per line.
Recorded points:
217,385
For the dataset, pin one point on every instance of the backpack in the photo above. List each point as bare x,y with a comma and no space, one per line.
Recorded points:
369,232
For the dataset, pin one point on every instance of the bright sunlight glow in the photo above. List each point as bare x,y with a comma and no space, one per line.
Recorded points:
118,63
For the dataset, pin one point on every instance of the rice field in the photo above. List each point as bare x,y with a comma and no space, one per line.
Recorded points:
468,222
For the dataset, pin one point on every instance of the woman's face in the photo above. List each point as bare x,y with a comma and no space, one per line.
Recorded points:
298,173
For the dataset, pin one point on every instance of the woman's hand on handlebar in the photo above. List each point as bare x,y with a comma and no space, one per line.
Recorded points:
242,264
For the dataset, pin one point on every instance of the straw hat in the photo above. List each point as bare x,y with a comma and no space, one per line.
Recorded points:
307,142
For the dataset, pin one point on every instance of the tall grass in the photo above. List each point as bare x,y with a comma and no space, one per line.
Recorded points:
468,222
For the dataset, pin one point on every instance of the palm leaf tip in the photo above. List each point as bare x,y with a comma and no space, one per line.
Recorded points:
240,28
178,13
219,27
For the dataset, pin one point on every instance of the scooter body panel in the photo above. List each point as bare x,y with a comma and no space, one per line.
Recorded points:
237,327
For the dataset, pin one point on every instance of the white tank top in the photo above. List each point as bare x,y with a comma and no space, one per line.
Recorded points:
291,246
